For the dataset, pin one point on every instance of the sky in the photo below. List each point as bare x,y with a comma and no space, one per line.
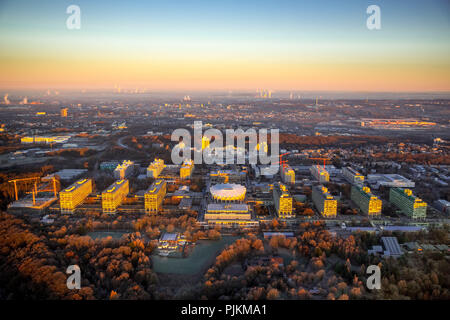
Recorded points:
226,45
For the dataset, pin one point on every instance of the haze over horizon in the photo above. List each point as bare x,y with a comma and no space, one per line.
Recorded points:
239,46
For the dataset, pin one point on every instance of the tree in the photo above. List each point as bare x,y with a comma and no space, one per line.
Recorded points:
273,294
113,295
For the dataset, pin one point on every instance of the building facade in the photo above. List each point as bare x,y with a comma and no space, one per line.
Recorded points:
319,173
124,170
409,204
155,168
352,176
186,169
228,176
113,196
154,196
282,201
287,174
324,202
368,203
229,215
74,195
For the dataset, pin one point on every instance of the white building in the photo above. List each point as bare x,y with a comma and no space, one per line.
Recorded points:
389,180
124,170
319,173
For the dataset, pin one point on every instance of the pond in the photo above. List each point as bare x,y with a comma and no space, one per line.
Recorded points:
116,234
199,258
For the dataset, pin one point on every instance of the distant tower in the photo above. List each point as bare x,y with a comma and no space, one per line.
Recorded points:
64,112
5,99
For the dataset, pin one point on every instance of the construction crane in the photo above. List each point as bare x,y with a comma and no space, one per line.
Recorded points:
320,159
35,189
282,162
21,180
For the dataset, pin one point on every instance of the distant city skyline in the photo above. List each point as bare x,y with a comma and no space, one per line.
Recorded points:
237,45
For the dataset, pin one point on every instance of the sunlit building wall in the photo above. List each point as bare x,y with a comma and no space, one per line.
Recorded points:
282,200
205,142
113,196
320,174
324,202
369,204
186,169
155,168
352,176
229,215
124,170
288,175
74,195
154,196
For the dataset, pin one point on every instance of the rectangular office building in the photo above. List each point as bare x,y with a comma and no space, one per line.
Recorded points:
352,176
74,195
155,168
186,169
409,204
113,196
368,203
124,170
320,174
282,200
229,215
325,203
154,196
288,174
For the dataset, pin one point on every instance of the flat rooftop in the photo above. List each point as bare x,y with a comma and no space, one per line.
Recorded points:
353,171
169,237
67,174
76,185
115,186
231,207
391,245
156,186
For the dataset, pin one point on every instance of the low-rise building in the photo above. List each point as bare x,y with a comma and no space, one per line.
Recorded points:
392,247
389,180
442,206
229,215
352,176
109,165
227,176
